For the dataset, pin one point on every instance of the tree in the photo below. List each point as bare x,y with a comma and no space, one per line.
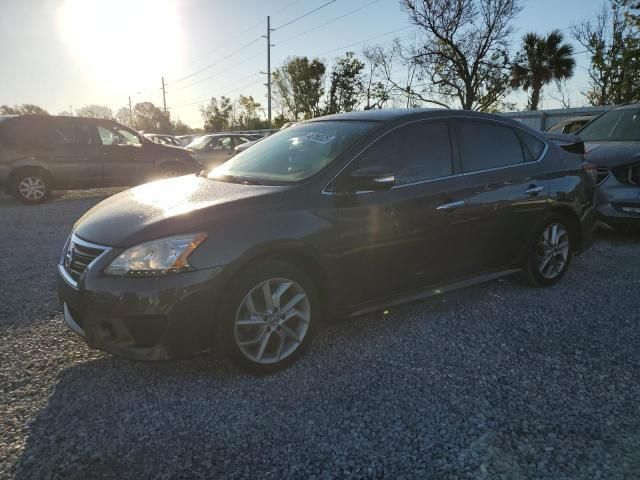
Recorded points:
400,93
613,42
95,111
299,86
463,54
149,118
180,128
217,115
347,84
123,115
248,117
24,109
541,61
633,11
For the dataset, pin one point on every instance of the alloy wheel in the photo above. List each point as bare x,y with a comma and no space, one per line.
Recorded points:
272,320
32,188
553,250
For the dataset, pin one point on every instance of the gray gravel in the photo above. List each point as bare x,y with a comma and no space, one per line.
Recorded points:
497,381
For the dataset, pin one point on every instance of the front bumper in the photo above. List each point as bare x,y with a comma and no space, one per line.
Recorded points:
157,318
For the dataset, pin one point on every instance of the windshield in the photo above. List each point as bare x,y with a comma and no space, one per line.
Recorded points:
199,143
616,125
294,154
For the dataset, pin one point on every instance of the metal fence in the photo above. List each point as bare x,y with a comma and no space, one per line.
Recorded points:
545,119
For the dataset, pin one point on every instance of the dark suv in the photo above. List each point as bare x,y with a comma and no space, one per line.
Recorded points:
41,153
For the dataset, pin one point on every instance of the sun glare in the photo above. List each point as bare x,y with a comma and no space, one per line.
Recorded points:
122,42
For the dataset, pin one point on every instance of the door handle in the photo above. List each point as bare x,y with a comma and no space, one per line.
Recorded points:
533,190
451,205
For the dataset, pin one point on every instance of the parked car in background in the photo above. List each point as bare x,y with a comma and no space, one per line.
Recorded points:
39,154
570,125
214,149
612,144
338,215
243,146
187,139
163,139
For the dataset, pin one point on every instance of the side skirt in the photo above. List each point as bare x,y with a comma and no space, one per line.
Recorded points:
416,295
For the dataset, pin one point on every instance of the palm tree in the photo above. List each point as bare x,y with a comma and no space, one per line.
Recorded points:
540,61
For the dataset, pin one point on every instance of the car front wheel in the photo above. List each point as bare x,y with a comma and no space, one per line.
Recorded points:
549,252
269,317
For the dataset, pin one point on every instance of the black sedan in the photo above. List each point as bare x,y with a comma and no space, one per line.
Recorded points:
612,144
336,216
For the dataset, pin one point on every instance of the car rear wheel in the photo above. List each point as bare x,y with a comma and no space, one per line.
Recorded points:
31,186
549,252
269,317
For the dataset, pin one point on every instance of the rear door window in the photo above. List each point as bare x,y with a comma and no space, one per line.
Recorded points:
486,145
69,132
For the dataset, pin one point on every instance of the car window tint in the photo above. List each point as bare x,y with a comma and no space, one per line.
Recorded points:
115,135
486,145
220,143
70,133
415,152
532,146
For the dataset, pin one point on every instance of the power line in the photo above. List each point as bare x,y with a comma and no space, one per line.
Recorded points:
247,45
327,23
199,97
217,74
224,94
364,41
305,14
284,8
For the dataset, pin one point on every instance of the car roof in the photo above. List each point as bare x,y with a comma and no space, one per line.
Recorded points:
628,106
394,115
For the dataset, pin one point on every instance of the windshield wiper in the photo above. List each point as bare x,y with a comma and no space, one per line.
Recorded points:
234,179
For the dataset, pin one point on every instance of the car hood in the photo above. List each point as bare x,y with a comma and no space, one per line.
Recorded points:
170,150
174,206
612,154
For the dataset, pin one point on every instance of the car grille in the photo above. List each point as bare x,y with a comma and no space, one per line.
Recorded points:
79,256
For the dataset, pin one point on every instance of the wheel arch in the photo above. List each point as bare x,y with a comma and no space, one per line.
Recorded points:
18,168
294,253
573,223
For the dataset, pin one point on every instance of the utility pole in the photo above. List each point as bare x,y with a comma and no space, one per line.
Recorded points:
130,113
164,97
268,84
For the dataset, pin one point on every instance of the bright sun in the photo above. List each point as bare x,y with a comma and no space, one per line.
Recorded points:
122,42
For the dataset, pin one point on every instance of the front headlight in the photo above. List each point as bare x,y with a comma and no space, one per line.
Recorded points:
158,257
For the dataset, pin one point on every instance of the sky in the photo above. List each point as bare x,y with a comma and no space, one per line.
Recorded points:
64,54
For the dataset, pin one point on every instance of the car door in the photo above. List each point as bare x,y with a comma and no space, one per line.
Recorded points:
123,153
507,190
73,152
401,239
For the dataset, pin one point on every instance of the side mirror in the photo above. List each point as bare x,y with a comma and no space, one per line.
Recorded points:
372,178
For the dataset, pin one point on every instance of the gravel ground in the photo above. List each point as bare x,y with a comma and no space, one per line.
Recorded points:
496,381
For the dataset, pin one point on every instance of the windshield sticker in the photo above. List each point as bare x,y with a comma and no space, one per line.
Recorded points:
322,138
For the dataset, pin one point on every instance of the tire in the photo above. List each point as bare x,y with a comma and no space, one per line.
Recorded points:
266,342
546,262
31,186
